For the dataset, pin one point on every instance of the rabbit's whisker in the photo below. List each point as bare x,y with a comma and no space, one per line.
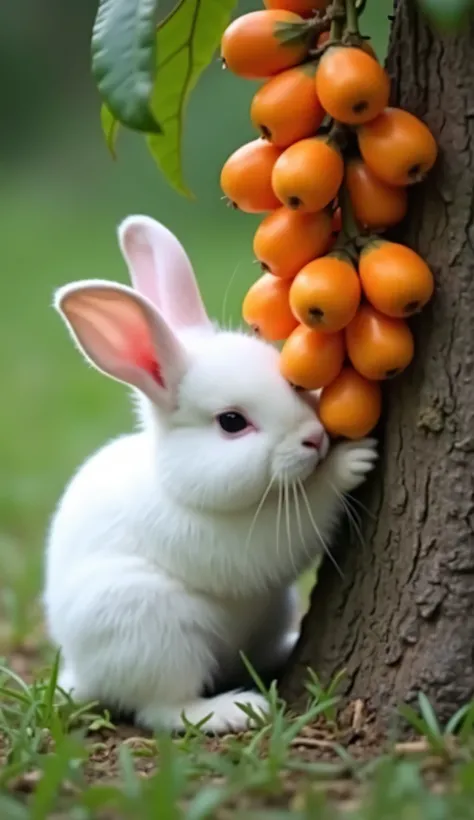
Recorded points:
258,511
278,518
354,512
288,522
354,519
227,293
299,522
362,506
316,529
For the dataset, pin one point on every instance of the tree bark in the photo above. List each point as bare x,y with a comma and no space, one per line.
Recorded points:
402,619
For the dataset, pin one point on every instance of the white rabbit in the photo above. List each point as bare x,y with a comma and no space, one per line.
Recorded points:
177,547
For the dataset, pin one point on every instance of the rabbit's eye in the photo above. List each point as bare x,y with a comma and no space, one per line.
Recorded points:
232,422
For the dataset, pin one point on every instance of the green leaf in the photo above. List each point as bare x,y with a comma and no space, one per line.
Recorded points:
254,675
110,127
99,797
186,42
429,715
169,781
446,15
132,785
207,801
124,59
458,719
56,768
413,718
467,730
309,717
13,809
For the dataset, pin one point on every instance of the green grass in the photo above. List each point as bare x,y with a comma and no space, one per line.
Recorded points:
52,749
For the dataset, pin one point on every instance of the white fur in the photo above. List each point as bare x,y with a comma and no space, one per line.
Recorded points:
159,570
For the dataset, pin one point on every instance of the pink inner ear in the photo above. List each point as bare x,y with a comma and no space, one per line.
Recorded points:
140,352
116,332
143,273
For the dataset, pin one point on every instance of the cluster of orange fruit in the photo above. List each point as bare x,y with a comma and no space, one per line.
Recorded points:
338,299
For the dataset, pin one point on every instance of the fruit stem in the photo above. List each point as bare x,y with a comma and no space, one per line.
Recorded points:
360,6
363,241
338,134
338,14
320,23
350,228
315,27
352,22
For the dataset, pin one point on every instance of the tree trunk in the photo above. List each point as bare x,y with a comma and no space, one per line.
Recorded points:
403,617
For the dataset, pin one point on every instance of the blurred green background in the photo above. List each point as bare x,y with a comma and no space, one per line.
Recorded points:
61,197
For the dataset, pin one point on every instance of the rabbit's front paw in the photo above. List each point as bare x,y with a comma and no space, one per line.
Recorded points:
224,714
351,461
227,716
218,715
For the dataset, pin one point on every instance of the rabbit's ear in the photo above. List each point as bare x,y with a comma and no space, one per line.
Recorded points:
122,335
160,269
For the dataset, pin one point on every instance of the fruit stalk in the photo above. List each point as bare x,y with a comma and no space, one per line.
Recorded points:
352,22
350,228
338,12
320,24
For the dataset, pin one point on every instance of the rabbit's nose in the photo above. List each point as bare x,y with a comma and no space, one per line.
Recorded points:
314,442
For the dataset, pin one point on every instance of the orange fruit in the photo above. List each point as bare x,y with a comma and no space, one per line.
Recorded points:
286,108
246,177
379,347
375,204
350,406
286,240
310,359
305,8
398,147
262,43
365,44
369,49
266,308
352,86
395,279
308,175
326,293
